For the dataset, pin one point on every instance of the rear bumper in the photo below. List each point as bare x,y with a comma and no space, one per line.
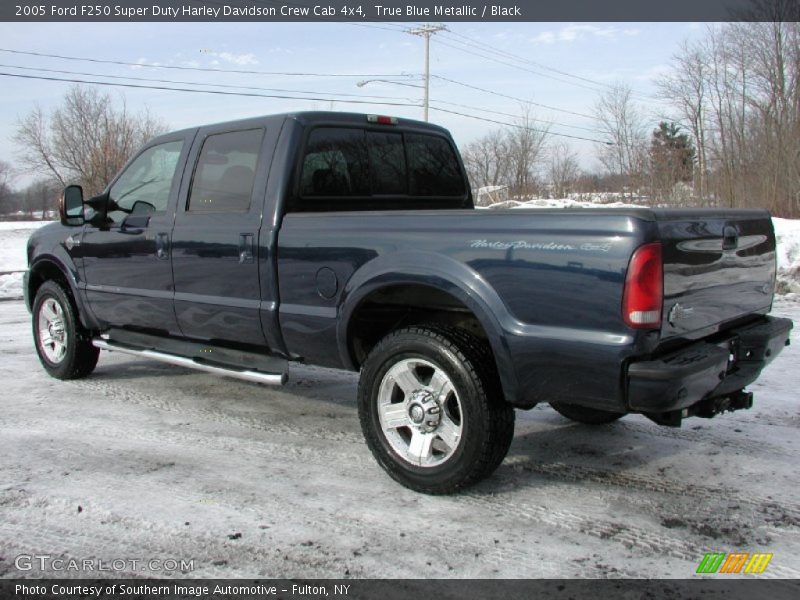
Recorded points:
707,369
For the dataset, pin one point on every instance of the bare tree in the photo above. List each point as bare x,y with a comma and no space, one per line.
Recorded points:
526,141
738,91
85,140
41,198
623,124
686,88
486,159
564,169
5,188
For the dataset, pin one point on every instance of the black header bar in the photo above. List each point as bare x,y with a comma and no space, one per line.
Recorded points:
326,11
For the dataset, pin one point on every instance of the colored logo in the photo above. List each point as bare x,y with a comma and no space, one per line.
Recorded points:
735,562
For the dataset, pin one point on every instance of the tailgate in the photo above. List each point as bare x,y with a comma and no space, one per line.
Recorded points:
719,266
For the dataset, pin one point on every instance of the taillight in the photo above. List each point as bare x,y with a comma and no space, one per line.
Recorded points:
643,296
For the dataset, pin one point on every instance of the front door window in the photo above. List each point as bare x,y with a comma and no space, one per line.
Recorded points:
144,187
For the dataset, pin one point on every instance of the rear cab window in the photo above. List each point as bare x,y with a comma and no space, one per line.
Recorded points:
355,168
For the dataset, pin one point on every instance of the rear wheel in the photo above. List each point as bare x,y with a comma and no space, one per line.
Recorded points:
431,409
586,415
63,345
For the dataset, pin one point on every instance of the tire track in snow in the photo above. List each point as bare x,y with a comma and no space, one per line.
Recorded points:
629,536
646,483
126,395
150,538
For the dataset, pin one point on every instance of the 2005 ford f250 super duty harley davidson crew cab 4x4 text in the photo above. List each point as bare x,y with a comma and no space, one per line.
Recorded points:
351,241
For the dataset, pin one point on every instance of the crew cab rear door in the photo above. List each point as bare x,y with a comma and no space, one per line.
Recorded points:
215,249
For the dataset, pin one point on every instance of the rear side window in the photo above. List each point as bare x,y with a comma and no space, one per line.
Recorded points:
225,172
335,164
388,161
358,169
433,167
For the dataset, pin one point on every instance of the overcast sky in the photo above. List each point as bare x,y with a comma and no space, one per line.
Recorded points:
563,57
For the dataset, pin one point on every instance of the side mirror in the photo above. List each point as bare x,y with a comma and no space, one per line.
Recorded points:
70,209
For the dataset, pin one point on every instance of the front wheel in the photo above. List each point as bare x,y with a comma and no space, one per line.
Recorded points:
431,409
64,347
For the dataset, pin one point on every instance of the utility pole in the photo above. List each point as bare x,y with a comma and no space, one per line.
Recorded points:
426,31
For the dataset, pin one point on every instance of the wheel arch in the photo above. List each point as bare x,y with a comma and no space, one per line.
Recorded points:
423,288
51,268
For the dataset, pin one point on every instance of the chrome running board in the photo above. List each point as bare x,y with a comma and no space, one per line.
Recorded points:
181,361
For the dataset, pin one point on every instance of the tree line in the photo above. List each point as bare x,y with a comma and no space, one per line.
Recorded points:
726,133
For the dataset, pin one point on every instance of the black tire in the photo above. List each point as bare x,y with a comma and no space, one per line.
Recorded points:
486,420
79,356
586,415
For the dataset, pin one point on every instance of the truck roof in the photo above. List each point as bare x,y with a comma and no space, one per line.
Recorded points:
310,117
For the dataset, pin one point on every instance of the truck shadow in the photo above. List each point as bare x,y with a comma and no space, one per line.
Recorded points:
630,453
547,448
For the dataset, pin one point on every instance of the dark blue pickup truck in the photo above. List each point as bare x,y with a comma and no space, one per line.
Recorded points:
351,241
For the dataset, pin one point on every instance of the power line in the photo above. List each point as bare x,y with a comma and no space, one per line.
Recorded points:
505,114
202,69
490,49
493,50
505,61
198,91
518,126
516,57
285,97
198,83
406,30
518,99
513,66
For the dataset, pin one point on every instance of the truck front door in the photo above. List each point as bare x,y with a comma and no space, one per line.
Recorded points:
126,248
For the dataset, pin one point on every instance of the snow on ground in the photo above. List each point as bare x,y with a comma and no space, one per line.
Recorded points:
170,463
561,203
13,239
787,236
148,461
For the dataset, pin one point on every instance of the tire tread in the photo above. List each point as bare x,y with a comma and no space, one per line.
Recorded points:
498,427
83,359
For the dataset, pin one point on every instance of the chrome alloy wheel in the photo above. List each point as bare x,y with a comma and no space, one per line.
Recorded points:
52,331
420,412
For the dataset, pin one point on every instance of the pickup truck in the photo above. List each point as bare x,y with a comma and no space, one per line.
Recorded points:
351,241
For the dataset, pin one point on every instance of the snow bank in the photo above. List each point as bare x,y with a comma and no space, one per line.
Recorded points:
13,241
787,236
560,203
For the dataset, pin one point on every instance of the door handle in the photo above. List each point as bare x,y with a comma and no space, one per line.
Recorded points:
245,248
162,246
